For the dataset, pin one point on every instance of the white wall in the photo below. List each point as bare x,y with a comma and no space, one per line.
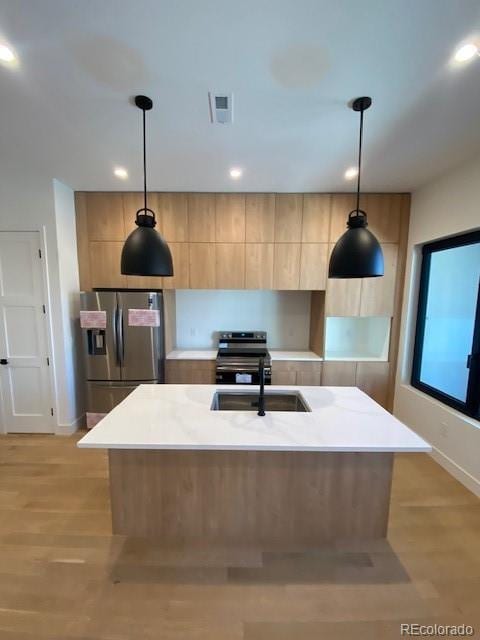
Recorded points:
285,315
27,204
447,206
69,370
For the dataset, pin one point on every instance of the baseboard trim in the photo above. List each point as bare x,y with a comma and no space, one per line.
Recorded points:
456,471
70,429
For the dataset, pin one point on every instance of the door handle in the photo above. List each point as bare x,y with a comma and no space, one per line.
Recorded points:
3,361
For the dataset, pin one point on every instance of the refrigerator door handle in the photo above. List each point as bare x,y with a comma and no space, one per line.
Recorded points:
116,340
121,344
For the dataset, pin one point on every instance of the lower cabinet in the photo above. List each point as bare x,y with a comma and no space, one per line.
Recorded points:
296,372
371,377
190,371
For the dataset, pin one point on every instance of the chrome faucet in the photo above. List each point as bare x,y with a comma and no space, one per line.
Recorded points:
261,397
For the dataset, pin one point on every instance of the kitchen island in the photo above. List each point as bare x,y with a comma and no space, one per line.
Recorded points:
186,473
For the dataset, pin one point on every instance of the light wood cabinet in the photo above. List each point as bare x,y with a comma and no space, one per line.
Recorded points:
342,295
378,294
284,373
296,372
230,265
105,217
384,211
132,202
259,265
230,217
373,378
173,211
202,265
180,258
288,217
260,217
201,217
144,282
316,217
83,248
105,264
313,266
339,374
190,371
341,205
286,266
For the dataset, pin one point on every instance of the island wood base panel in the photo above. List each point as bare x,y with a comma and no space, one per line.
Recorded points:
239,497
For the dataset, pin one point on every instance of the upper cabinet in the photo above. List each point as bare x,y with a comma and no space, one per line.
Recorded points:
260,217
230,217
253,241
288,217
201,217
105,216
172,208
316,217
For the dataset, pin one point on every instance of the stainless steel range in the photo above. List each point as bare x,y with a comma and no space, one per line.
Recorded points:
238,357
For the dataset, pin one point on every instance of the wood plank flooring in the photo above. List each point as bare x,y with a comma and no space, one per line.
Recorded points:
64,576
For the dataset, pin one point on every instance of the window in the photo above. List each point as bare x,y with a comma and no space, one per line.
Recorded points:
446,360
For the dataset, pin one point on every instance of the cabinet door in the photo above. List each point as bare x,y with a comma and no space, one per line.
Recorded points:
309,373
384,211
342,297
202,265
378,294
180,258
288,217
284,373
339,374
341,205
286,266
230,266
316,217
259,266
104,216
201,217
132,202
313,266
105,264
373,378
260,217
172,209
190,371
230,217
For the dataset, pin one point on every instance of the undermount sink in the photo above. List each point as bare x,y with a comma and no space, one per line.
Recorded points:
274,401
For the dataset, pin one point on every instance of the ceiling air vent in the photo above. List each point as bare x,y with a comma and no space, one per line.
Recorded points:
221,107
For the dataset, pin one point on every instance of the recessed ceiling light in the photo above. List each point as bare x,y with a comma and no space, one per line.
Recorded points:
6,54
121,173
466,52
351,173
235,173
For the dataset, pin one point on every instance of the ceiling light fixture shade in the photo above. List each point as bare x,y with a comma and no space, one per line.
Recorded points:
357,253
145,252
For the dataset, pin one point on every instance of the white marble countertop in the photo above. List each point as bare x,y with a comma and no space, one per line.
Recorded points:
211,354
180,417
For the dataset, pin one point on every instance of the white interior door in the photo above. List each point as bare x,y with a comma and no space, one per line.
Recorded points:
25,390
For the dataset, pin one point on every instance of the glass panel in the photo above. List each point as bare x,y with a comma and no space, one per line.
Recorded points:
450,317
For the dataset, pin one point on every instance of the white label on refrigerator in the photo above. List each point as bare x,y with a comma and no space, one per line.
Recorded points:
144,317
93,319
243,378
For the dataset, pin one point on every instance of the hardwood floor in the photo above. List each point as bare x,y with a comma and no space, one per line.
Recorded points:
63,575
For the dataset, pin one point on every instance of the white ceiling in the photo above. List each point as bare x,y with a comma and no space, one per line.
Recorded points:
292,65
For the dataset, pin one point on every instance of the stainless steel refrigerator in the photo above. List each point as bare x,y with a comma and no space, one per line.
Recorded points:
123,345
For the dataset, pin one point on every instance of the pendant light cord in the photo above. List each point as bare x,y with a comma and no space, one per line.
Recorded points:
144,164
359,161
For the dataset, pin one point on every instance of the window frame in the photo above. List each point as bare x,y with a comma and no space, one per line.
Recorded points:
471,406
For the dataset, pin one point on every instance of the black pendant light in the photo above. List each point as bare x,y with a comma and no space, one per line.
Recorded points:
145,252
357,254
